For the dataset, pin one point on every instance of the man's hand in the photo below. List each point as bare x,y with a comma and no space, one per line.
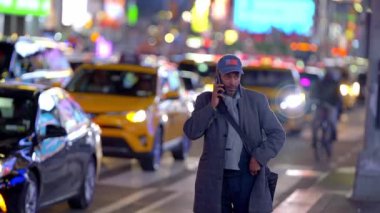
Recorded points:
254,166
216,94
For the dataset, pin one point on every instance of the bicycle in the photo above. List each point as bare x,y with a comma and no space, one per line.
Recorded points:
322,131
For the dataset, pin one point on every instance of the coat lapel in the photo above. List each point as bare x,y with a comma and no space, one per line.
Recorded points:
243,110
248,120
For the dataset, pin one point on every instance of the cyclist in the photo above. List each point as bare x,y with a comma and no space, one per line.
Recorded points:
327,95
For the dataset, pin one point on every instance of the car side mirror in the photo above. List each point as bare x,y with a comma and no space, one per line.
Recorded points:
172,95
55,131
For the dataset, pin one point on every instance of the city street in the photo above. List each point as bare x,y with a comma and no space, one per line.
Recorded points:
124,187
84,80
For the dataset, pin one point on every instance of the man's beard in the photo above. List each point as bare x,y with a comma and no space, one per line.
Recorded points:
231,91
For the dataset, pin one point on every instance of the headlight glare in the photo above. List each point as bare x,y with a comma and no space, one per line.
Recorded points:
355,89
293,101
344,89
136,117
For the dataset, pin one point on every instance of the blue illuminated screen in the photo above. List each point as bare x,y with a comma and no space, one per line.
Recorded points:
259,16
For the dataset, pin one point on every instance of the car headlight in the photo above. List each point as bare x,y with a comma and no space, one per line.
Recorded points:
293,101
344,89
6,166
355,89
136,117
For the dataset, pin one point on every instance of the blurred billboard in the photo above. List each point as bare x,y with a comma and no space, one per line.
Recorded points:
25,7
288,16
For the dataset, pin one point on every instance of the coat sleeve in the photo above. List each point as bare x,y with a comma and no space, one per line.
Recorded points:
275,134
201,117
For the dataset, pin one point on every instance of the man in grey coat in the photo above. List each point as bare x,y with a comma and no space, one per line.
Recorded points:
231,175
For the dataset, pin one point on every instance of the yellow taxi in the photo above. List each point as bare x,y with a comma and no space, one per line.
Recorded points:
140,109
281,86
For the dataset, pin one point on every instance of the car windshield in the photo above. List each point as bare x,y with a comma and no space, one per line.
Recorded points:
17,113
113,82
266,78
203,69
46,59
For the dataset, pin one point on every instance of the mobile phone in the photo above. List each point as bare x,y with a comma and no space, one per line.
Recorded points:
219,81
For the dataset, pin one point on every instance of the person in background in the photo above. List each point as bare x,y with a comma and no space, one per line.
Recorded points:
327,92
231,173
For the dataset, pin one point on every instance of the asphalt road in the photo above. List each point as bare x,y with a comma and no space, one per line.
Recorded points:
124,187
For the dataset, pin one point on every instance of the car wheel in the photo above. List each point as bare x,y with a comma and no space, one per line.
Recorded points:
182,151
153,160
86,194
29,198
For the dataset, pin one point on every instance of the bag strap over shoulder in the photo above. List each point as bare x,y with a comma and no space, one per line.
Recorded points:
224,112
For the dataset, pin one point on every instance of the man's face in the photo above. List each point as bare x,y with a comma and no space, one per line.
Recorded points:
231,82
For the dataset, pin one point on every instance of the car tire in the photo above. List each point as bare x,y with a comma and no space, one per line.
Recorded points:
29,198
182,150
152,161
86,193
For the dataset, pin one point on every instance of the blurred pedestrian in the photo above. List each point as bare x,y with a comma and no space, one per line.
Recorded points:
326,93
232,170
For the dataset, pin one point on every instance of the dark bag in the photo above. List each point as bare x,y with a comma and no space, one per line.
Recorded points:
271,176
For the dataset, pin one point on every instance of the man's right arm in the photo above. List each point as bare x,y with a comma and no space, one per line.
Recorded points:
201,118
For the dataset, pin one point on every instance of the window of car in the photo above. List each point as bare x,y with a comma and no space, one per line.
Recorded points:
267,78
113,82
66,112
49,115
70,113
170,81
5,57
47,118
191,81
17,113
78,113
203,69
55,60
49,59
55,109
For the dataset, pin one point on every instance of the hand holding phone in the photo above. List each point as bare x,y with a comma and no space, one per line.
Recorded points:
217,92
219,84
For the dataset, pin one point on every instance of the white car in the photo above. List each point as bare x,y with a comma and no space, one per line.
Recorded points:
34,60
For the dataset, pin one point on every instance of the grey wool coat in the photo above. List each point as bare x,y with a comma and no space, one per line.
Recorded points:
255,117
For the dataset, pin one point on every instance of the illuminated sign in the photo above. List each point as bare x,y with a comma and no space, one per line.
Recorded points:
219,9
25,7
260,16
132,14
200,16
114,13
103,48
74,13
